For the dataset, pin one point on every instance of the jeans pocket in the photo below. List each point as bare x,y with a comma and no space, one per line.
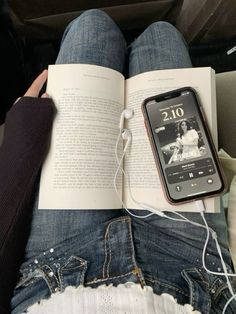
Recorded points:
208,293
72,273
220,296
39,281
199,292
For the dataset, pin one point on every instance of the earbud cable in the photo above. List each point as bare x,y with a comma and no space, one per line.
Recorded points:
201,208
120,168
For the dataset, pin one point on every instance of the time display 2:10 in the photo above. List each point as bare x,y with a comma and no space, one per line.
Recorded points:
172,114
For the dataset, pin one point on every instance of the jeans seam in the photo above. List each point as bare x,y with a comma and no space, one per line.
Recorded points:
132,244
136,270
192,293
108,278
61,278
219,291
26,279
83,263
200,275
107,257
232,304
45,277
166,285
108,254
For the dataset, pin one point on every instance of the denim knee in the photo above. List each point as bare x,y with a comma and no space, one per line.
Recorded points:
164,30
93,38
92,18
163,26
161,46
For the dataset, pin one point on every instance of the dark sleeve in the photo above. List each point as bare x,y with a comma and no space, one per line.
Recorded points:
26,138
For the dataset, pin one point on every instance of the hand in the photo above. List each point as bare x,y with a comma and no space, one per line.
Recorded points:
37,85
178,140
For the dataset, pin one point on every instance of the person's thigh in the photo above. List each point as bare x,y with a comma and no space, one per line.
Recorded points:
51,227
170,256
161,46
92,38
169,252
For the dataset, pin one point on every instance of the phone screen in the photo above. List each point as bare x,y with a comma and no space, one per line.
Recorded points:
185,153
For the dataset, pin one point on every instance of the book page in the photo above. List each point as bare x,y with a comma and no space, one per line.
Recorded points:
139,162
79,169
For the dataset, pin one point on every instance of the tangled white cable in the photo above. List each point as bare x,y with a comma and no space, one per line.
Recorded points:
126,135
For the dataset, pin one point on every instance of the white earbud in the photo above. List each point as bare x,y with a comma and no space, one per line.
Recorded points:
126,114
126,136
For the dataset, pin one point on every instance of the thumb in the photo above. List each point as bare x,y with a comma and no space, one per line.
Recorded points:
45,95
36,86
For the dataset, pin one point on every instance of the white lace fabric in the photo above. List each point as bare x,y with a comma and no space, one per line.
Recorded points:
129,298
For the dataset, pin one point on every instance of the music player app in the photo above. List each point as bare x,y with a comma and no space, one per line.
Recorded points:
183,147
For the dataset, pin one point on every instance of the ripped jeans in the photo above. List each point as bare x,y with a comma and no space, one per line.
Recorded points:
69,247
153,252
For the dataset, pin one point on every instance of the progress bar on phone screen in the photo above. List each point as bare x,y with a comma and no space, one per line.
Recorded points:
196,193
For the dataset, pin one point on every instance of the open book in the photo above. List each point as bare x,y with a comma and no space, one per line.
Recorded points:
79,170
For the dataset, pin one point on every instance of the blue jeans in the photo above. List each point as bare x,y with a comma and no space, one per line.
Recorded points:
68,247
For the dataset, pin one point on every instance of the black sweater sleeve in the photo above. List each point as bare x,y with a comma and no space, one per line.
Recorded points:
26,138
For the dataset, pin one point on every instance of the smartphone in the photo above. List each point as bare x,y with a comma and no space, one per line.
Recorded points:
182,146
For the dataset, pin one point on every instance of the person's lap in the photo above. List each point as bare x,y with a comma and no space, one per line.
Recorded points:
93,38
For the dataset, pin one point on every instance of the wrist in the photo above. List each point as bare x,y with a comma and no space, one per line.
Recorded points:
28,121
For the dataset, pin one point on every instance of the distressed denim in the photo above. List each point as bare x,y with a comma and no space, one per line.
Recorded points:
154,252
69,247
99,255
170,256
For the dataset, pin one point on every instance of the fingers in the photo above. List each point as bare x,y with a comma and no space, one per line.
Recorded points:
45,95
37,85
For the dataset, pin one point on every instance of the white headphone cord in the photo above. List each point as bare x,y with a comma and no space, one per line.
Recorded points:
143,205
120,168
228,302
201,208
226,274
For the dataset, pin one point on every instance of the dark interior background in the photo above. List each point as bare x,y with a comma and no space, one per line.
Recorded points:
30,33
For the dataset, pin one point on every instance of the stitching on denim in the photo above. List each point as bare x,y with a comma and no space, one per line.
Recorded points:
82,261
219,290
61,277
166,285
214,281
192,290
204,281
48,281
132,243
110,254
83,273
232,305
27,279
105,279
107,259
46,278
200,275
106,251
191,287
139,272
195,270
83,265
